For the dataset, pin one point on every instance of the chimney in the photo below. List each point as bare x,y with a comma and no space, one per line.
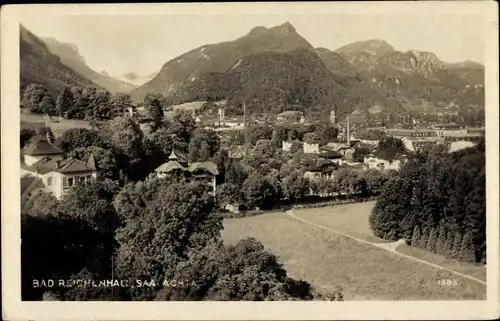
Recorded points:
348,133
58,164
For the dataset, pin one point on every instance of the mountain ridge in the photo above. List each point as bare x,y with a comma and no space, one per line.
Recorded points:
39,66
70,56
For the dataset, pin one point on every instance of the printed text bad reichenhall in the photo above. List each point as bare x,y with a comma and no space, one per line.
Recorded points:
50,283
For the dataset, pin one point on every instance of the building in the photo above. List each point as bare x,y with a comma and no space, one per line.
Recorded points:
291,145
411,133
414,144
291,116
458,145
178,164
310,148
384,161
48,171
468,137
319,169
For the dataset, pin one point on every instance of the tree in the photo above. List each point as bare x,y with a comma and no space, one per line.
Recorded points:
256,133
375,181
457,246
431,242
264,149
176,220
33,96
99,103
65,101
311,138
42,205
347,181
280,134
25,136
415,240
75,138
424,238
228,193
295,186
125,138
467,249
328,133
153,105
119,102
448,246
47,105
92,203
257,191
441,240
360,153
203,145
57,247
236,174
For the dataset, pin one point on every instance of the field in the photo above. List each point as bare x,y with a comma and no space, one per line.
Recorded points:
365,271
33,121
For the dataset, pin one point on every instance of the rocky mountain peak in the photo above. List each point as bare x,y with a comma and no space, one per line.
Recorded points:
372,47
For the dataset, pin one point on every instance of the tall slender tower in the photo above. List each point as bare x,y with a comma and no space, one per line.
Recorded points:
244,114
348,133
333,117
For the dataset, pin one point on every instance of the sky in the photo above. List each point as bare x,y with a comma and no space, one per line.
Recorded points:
120,44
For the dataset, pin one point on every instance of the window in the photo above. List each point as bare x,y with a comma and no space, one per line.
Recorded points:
49,181
65,182
70,181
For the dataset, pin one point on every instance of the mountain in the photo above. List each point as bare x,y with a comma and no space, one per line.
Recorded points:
413,77
337,64
70,57
136,79
270,82
373,47
470,71
39,66
221,57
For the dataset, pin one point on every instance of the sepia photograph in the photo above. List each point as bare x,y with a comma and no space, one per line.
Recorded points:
331,153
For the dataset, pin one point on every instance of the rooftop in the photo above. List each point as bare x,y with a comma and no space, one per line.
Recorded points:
41,147
68,165
289,113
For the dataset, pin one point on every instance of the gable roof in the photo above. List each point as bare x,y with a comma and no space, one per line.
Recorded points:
208,166
68,165
169,166
320,165
172,165
41,147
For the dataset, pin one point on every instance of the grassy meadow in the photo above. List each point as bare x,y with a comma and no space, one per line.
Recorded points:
33,121
365,272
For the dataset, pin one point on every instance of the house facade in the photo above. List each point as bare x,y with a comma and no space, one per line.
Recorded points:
178,164
48,171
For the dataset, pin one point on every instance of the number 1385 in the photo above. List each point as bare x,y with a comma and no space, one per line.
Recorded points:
447,282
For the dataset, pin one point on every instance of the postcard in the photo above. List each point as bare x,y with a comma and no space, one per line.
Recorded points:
250,161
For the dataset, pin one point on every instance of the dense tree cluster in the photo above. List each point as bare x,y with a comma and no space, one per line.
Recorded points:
147,232
75,102
437,203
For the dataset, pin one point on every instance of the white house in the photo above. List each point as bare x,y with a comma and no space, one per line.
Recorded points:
47,171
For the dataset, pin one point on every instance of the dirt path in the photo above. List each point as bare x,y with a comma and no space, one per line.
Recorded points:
390,247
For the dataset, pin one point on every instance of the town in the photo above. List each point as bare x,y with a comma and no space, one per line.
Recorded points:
263,168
